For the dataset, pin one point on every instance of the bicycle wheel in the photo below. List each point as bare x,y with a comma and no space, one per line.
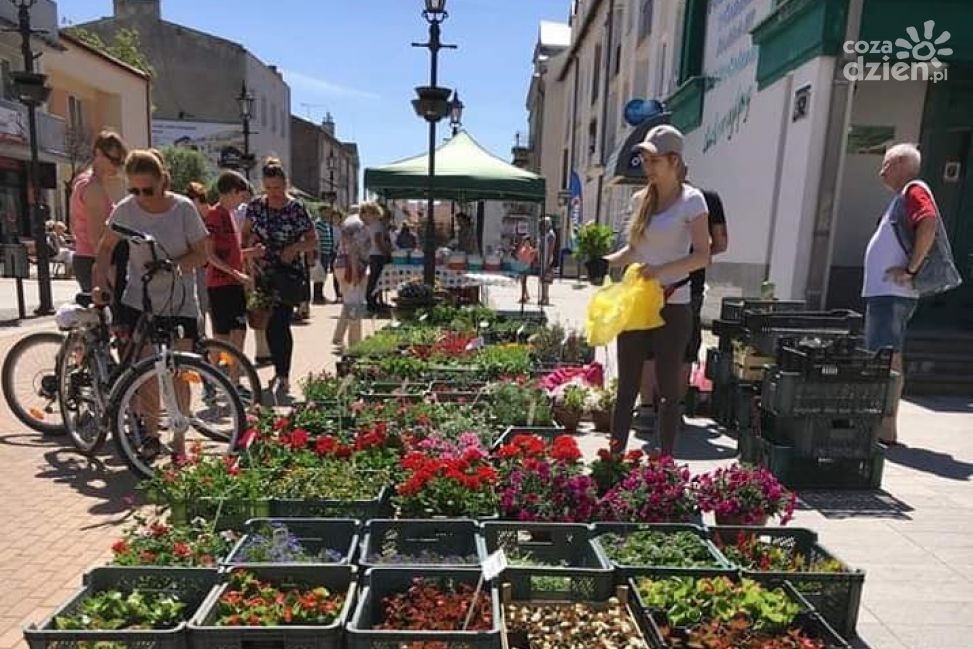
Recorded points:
215,414
226,357
29,379
80,402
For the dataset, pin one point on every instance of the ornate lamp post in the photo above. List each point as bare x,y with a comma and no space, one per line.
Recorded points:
432,105
456,112
246,100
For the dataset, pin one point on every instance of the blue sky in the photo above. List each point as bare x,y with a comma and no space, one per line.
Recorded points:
353,58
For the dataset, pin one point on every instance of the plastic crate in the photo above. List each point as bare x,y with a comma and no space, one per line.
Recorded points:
382,582
623,571
733,308
546,432
824,436
191,585
393,389
314,534
807,620
790,393
378,507
230,514
840,360
820,473
204,634
569,566
412,538
840,320
836,596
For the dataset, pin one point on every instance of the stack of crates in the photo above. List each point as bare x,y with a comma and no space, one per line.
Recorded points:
821,410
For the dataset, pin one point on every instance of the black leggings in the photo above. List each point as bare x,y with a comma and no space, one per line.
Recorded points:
279,339
375,265
668,344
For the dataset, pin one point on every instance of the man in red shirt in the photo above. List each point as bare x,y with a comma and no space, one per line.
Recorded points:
225,280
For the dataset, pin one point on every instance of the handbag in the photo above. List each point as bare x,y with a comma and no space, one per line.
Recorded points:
288,285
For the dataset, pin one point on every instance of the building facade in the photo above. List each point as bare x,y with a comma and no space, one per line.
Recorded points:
784,118
323,164
197,82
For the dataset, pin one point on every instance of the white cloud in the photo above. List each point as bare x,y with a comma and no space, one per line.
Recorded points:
311,84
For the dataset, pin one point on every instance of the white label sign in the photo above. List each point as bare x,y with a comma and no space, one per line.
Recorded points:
494,565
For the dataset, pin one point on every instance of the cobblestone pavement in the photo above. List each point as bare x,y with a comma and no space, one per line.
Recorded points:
61,512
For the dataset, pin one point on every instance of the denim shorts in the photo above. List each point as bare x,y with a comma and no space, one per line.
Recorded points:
886,319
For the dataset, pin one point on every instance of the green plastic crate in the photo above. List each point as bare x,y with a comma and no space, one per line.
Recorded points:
813,473
412,538
315,534
229,514
623,571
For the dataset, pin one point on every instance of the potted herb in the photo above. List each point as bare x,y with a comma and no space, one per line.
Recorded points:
593,243
603,405
744,495
259,307
570,404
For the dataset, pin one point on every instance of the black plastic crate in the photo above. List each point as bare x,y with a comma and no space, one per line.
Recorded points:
808,620
719,366
378,507
204,634
824,436
567,564
820,473
225,514
190,585
315,535
839,320
840,359
836,596
623,571
413,539
733,308
790,393
379,583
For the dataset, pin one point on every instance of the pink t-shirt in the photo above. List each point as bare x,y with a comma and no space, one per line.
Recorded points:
83,245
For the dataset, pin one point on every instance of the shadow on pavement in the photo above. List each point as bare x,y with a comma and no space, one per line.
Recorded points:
855,504
961,405
30,439
943,465
696,442
104,479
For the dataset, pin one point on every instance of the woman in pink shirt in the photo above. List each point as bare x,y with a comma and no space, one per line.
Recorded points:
91,204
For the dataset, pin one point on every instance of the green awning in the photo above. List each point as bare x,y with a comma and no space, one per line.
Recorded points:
465,171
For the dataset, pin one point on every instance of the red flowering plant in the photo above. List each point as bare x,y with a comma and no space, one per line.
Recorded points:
542,481
745,494
609,469
196,476
459,483
249,601
657,491
157,544
431,605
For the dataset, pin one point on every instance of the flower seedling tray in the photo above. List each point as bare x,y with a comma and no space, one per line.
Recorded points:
623,571
379,583
315,534
518,640
567,565
226,514
190,585
394,389
835,595
413,539
338,579
808,620
548,433
377,507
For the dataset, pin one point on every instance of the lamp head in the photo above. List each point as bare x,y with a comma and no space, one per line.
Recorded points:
435,11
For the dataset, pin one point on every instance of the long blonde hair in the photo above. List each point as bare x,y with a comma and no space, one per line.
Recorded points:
648,204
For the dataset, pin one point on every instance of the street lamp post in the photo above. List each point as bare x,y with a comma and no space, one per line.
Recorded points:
432,105
456,113
246,100
32,91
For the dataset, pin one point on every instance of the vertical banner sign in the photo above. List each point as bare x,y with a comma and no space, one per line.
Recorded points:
576,208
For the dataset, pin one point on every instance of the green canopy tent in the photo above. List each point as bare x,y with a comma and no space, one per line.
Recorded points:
465,172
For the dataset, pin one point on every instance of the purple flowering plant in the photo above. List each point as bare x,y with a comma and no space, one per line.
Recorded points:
658,491
751,494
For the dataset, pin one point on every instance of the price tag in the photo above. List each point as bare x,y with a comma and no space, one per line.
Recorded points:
521,330
423,317
484,324
494,565
476,343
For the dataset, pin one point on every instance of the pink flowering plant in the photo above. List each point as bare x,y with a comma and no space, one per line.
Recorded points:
750,494
658,491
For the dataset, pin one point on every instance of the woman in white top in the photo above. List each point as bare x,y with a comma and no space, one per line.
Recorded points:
668,220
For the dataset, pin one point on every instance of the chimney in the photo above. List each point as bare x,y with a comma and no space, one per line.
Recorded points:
328,125
140,10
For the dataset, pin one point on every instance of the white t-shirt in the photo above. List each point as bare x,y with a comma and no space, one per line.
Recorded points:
883,252
669,236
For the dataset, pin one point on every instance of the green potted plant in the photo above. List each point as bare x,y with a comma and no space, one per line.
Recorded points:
570,405
593,242
604,405
259,306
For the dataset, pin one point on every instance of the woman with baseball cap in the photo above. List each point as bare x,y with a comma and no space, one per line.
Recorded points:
668,219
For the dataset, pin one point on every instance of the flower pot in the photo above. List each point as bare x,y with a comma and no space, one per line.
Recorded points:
567,418
597,269
258,319
602,420
737,520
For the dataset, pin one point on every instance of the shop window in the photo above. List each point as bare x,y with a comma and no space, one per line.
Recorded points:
694,39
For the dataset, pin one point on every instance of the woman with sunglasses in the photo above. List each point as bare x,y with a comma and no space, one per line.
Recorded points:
180,234
282,224
93,195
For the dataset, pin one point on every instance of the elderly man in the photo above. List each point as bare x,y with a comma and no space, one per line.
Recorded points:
897,251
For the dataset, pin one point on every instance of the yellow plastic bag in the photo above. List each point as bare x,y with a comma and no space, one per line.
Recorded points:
632,305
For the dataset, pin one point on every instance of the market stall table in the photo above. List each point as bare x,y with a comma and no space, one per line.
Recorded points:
395,276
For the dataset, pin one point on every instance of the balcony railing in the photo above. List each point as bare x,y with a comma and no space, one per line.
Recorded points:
51,129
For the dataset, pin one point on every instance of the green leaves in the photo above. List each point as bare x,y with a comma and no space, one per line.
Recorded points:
112,610
651,548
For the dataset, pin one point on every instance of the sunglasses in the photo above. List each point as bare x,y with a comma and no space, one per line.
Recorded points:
147,192
273,172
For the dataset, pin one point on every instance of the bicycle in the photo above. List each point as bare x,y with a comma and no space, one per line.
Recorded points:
29,378
98,394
